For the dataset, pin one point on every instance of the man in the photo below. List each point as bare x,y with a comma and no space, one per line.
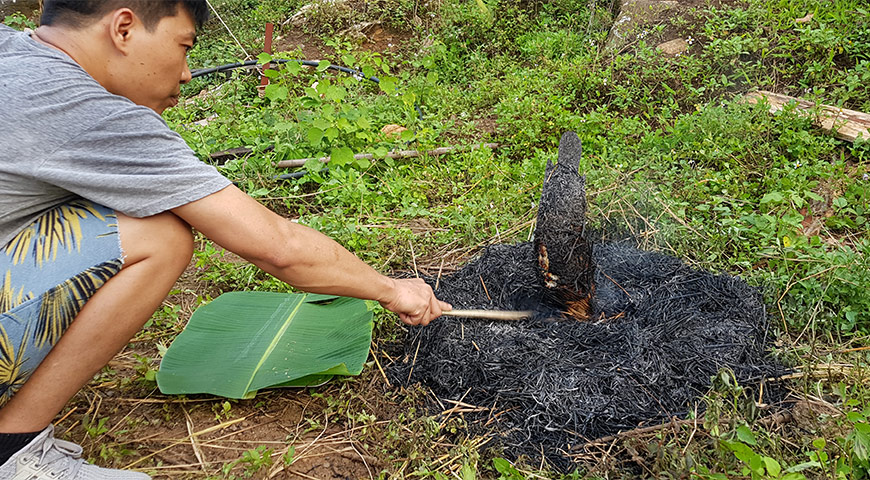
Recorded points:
97,201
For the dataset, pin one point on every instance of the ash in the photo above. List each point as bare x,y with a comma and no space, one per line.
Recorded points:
659,331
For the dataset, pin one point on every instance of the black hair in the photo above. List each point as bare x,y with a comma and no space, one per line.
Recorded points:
78,13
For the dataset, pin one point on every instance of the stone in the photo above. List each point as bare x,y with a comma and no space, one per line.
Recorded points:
674,47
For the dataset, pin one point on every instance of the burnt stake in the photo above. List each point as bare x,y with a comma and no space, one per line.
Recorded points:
564,251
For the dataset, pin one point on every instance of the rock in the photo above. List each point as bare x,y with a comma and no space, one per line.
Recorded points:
674,47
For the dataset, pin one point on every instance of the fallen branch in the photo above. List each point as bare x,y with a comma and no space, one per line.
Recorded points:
394,154
844,123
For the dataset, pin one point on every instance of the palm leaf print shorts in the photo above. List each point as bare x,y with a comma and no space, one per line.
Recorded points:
47,273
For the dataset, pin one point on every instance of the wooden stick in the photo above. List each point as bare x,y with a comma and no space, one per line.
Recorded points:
849,124
484,288
489,314
394,154
267,48
375,356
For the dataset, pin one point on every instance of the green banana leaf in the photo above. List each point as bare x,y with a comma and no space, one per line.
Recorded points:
242,342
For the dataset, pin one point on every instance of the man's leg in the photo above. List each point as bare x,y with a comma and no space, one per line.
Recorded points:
156,249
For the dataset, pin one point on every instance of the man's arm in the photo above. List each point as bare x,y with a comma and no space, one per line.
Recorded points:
303,257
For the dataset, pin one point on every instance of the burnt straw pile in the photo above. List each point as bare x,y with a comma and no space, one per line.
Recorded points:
619,337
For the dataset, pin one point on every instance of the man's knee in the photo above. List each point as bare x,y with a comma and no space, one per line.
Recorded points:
163,237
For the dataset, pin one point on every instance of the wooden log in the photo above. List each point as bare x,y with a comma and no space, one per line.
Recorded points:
844,123
394,154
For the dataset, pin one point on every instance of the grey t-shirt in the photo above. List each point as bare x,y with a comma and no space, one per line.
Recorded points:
62,136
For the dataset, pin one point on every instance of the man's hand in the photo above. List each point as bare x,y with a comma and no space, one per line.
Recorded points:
414,302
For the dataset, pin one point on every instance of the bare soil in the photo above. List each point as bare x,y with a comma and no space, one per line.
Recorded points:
378,38
172,437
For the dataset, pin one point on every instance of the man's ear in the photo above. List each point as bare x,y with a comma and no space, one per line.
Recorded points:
122,23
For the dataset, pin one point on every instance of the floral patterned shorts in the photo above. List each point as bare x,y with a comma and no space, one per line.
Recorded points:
47,273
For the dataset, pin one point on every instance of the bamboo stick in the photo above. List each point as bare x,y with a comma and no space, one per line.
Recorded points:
394,154
489,314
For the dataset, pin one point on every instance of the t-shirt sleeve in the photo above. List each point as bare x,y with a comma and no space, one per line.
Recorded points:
132,162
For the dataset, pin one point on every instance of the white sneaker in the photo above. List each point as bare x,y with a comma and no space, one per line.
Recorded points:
47,458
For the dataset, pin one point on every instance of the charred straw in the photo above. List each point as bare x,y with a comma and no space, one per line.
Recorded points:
657,331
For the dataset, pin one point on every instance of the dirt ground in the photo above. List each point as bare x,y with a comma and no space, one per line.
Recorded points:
123,421
199,437
341,430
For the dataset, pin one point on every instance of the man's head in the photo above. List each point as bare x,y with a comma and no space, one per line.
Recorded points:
134,48
77,13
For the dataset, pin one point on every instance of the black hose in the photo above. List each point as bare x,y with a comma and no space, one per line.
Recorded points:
249,63
295,175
